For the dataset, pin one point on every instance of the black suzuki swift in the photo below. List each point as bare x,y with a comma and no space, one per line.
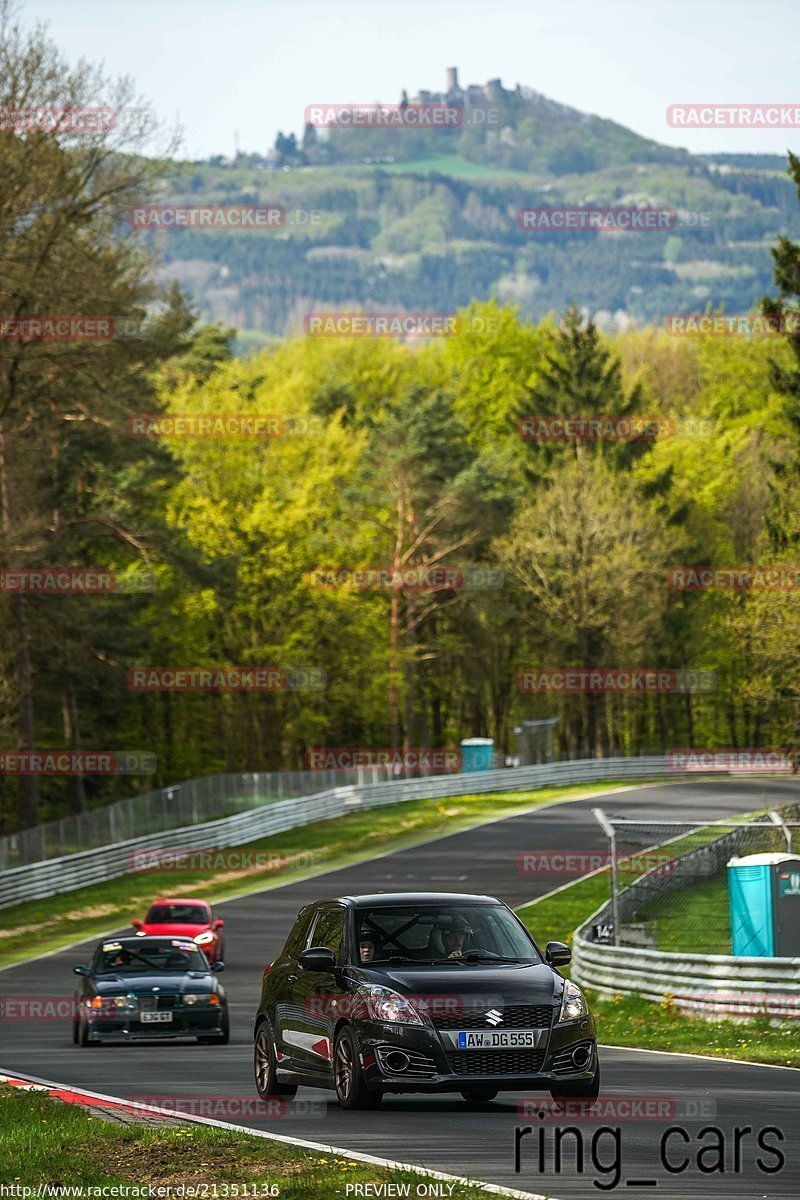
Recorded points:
421,992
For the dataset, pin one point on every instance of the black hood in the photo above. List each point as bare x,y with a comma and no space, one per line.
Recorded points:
167,984
510,983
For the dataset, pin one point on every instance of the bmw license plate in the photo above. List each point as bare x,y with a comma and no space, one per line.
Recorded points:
498,1039
155,1018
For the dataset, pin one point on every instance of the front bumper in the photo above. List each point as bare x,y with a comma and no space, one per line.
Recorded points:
436,1067
130,1028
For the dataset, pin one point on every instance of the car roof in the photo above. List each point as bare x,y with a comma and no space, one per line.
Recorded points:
391,899
143,939
179,900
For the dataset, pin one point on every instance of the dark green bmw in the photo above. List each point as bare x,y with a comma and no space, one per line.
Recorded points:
149,987
421,992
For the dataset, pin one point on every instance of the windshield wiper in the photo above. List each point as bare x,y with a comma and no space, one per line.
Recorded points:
472,957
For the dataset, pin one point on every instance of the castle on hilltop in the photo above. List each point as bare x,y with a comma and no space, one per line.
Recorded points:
455,94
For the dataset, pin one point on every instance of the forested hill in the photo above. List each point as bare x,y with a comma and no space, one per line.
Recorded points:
428,220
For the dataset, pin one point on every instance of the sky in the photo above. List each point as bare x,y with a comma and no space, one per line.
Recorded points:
222,69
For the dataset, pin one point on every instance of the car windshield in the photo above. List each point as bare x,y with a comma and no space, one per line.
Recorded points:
441,933
167,957
177,914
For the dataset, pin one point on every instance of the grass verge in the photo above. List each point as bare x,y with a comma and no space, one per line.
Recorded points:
44,1141
37,926
633,1021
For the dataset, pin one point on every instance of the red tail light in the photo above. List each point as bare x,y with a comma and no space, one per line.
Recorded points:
268,968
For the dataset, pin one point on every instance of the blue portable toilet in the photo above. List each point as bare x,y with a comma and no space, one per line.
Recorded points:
764,898
477,754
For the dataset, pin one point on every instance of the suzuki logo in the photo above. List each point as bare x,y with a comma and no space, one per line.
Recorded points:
494,1016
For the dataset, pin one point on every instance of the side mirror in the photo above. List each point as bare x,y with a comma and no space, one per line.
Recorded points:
217,966
317,958
82,969
557,954
136,923
218,924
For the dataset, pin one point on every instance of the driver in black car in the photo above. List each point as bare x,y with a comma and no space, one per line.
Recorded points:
454,938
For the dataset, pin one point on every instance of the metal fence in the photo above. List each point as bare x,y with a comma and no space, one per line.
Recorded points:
269,816
712,984
171,807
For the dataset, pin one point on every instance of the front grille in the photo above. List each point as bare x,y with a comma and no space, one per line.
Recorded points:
515,1016
151,1003
496,1062
563,1064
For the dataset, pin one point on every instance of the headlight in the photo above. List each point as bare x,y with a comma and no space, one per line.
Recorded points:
201,998
382,1004
204,939
110,1002
573,1005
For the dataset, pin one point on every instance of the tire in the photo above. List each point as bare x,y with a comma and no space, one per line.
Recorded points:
76,1029
478,1095
83,1035
351,1090
264,1065
218,1039
588,1090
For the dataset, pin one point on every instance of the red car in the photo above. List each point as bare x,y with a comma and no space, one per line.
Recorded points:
189,919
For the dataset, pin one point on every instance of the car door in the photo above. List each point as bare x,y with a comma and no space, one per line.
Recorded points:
279,985
316,996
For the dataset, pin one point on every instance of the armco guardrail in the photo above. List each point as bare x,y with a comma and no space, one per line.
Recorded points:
56,875
696,978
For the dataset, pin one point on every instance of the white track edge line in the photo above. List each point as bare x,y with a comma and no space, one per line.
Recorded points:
360,1156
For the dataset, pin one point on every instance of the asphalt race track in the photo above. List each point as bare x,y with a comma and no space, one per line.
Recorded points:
443,1133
